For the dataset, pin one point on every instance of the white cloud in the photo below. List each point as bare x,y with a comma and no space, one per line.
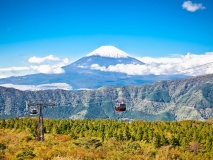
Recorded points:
47,65
64,86
65,61
48,69
192,7
15,71
38,60
189,64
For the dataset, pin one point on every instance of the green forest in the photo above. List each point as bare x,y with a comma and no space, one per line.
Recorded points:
106,139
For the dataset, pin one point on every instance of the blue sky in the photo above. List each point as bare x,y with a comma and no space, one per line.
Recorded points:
73,28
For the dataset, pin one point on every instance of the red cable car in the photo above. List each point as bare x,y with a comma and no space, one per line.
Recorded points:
120,106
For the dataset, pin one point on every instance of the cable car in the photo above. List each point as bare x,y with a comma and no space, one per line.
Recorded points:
120,106
33,112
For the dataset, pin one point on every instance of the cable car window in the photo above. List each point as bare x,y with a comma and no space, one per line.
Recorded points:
33,112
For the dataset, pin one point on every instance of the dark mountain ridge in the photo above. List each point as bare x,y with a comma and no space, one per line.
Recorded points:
190,98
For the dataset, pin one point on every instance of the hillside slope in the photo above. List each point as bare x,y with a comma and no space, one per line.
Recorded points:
190,98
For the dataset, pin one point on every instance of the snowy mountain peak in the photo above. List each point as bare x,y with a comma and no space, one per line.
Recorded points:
109,51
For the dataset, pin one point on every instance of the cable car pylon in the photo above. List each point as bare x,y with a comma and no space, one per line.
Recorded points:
33,110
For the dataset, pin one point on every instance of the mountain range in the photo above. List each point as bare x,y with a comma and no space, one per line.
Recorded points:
188,98
90,87
93,71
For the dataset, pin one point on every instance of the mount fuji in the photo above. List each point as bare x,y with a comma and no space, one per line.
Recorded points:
104,56
90,72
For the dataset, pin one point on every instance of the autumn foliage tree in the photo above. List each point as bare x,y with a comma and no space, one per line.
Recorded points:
183,137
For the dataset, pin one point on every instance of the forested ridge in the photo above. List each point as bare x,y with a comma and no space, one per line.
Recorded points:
183,99
102,139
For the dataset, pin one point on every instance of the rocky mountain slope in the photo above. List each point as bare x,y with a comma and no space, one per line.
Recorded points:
190,98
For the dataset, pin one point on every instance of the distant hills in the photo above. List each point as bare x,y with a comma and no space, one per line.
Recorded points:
189,98
93,71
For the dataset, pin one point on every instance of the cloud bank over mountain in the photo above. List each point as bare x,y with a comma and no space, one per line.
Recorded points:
63,86
189,64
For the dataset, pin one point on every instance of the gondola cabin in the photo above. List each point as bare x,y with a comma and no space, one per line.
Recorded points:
33,112
120,107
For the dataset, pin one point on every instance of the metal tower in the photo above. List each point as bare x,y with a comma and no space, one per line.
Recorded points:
37,109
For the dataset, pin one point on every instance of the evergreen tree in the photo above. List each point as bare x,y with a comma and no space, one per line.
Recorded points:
2,123
139,134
